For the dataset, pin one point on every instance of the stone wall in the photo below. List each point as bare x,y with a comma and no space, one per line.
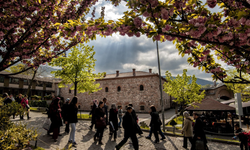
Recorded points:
129,93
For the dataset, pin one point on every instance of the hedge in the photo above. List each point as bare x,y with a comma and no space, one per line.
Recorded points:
38,103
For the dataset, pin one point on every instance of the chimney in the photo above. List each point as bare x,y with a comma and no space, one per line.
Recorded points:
133,72
214,83
117,73
150,70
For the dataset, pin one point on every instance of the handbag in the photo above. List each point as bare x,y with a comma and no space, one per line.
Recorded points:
46,124
199,144
100,123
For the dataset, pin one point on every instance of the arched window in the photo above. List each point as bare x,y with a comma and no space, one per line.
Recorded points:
69,91
141,88
106,89
118,89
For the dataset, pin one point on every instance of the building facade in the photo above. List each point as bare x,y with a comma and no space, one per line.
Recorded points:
138,88
15,84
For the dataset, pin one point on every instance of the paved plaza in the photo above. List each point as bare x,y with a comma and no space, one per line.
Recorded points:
84,138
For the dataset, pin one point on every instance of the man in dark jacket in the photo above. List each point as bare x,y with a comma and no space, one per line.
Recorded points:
105,109
243,138
139,131
6,100
199,133
130,130
65,111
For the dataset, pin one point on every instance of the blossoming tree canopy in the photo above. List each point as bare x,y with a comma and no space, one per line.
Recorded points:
35,31
196,30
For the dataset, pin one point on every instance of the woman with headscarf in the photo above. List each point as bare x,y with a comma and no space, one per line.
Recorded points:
187,129
92,112
100,122
113,121
155,122
71,118
56,118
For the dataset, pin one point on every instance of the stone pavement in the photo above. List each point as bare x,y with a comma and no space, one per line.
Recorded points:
84,138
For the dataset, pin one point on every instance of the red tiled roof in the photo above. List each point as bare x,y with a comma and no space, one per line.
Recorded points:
209,104
128,74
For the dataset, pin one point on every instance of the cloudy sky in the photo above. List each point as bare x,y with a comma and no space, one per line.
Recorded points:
124,53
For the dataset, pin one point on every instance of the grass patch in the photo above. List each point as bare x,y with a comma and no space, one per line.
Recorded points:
145,128
33,109
84,116
178,120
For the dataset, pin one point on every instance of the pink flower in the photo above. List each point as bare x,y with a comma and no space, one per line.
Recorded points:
167,27
146,14
164,14
157,37
211,3
137,21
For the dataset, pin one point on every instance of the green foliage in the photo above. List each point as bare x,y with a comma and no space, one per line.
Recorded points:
38,103
77,69
47,96
14,136
244,89
36,97
182,90
84,116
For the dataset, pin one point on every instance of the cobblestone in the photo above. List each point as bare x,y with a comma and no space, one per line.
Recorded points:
84,138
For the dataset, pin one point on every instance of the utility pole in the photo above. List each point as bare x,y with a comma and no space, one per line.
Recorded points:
162,103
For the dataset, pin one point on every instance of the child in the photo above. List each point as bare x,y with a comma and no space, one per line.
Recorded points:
242,137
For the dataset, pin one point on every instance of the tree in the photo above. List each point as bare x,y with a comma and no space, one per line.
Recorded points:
35,31
181,88
244,89
77,69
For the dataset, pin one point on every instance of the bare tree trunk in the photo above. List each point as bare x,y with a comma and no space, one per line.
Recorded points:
30,84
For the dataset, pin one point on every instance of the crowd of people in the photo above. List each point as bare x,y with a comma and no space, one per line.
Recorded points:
20,99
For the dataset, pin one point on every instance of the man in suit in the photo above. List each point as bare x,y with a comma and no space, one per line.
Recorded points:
130,130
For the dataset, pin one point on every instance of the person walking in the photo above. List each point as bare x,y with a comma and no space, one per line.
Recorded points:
72,119
56,118
199,133
105,109
100,122
65,111
187,130
155,123
6,98
18,100
130,129
92,112
113,121
139,131
243,138
25,104
120,113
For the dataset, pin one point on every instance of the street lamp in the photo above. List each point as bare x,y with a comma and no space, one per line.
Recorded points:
162,103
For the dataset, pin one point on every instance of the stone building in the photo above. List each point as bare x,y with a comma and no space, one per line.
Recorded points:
136,87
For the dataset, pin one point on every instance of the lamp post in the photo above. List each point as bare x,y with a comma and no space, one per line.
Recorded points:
162,103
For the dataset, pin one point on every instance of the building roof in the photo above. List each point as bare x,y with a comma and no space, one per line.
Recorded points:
129,74
209,104
21,76
227,102
244,104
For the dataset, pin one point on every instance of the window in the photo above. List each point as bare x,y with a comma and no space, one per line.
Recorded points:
48,84
1,79
40,84
25,82
14,80
142,108
118,88
106,89
69,91
141,88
